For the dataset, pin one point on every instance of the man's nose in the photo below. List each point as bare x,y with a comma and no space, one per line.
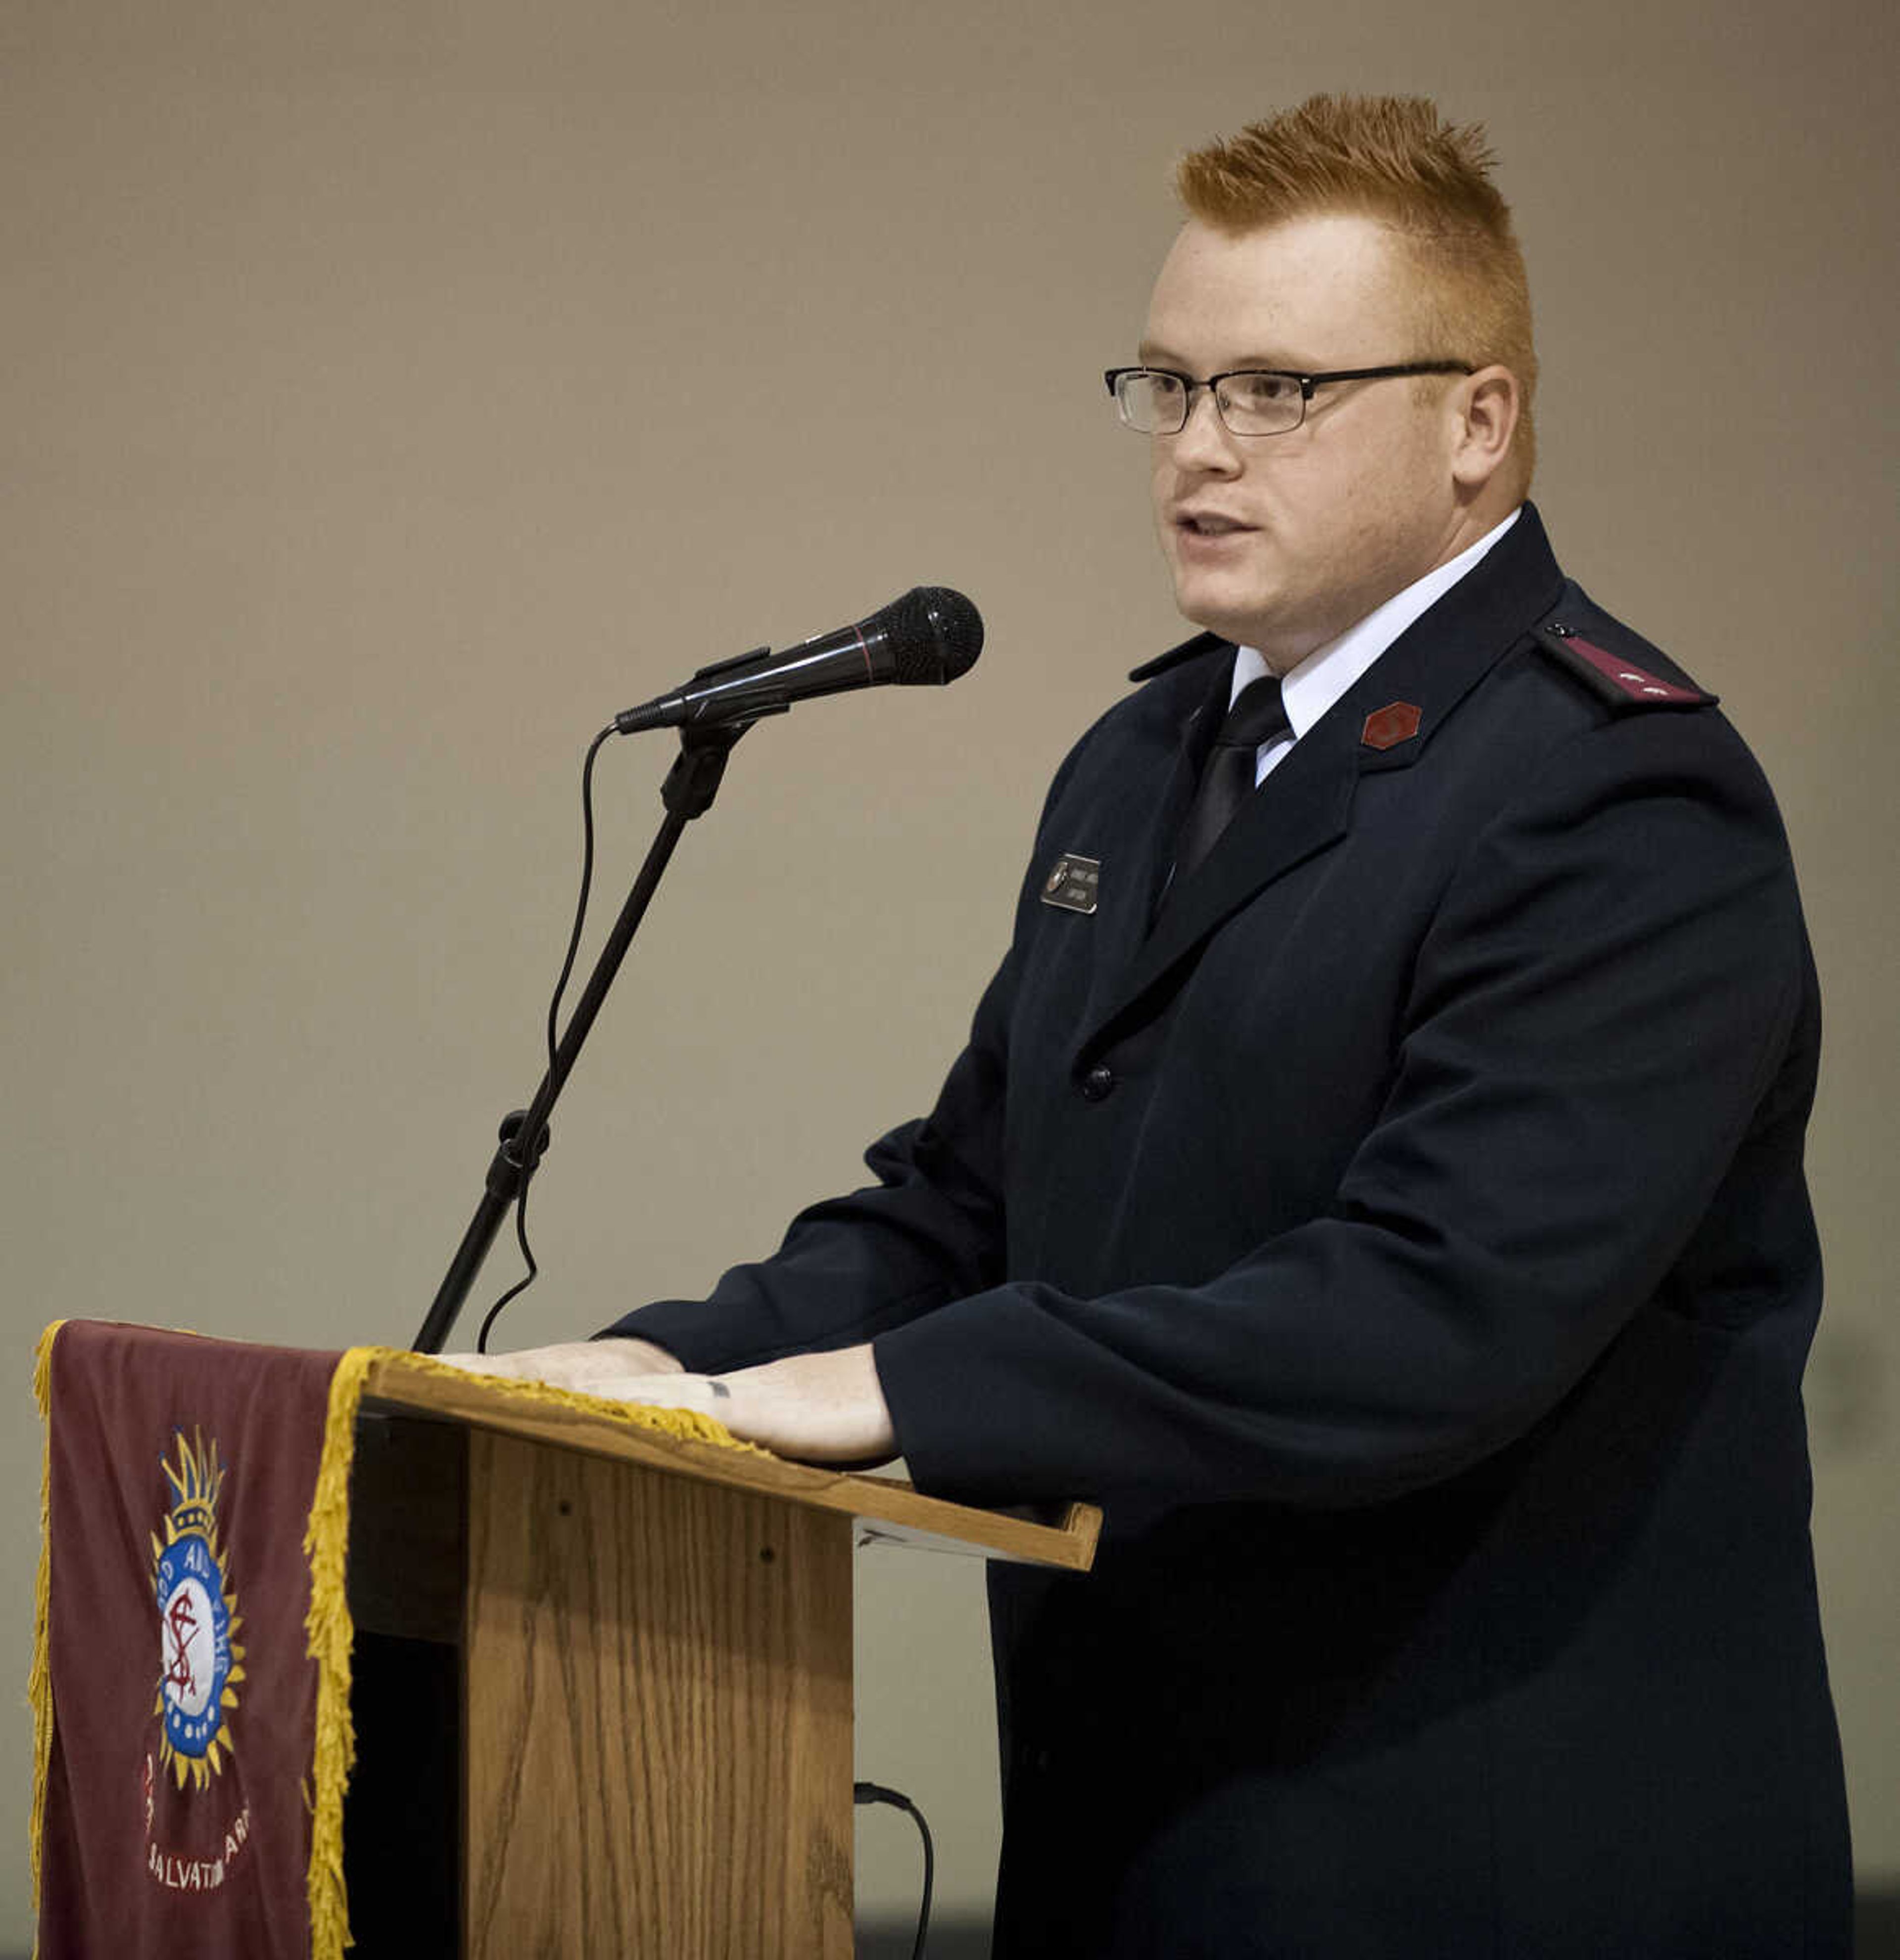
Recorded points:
1204,441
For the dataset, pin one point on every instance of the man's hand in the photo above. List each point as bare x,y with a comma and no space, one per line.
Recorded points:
819,1409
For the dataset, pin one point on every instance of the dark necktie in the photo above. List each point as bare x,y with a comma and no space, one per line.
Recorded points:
1227,779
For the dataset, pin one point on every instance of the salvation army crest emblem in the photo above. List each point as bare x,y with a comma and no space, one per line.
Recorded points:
201,1658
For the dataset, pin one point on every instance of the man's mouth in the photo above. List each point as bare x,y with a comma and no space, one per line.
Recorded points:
1209,524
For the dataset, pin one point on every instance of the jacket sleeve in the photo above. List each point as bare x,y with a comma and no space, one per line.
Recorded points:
1614,1000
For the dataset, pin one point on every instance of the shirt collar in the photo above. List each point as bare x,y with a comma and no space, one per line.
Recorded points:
1311,688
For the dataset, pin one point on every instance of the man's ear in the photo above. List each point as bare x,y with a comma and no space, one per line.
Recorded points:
1487,404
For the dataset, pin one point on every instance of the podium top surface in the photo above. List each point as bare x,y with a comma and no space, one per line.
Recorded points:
888,1510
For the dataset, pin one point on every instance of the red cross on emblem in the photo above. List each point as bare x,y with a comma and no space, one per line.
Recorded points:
181,1622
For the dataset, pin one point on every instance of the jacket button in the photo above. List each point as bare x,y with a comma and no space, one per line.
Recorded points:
1098,1083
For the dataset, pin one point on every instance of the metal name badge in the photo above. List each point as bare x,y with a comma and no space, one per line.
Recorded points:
1073,884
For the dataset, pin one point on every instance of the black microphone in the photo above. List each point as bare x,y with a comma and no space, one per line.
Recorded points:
924,639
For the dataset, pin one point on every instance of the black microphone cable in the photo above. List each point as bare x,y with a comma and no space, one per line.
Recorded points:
525,1156
876,1792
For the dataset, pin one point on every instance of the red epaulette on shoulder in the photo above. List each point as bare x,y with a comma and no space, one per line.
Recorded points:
1621,682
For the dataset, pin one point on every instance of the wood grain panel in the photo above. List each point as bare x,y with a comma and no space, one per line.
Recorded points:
659,1714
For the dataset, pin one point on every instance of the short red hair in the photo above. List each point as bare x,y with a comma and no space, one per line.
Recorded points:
1393,158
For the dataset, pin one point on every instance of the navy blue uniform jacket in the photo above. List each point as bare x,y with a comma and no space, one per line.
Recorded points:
1405,1240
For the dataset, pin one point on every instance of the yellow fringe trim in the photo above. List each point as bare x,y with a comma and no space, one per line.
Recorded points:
684,1425
326,1545
39,1679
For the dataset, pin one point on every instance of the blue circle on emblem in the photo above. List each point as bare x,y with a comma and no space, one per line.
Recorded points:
195,1642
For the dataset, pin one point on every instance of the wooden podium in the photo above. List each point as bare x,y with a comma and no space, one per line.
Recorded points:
603,1680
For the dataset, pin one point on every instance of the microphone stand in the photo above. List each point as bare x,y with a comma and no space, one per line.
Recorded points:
688,792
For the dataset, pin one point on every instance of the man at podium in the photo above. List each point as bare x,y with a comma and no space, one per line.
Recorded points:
1374,1176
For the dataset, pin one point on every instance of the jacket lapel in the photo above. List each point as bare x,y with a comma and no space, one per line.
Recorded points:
1154,791
1300,809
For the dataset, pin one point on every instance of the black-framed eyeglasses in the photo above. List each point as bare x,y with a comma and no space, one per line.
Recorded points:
1249,401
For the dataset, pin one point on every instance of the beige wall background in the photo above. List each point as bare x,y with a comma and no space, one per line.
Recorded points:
391,393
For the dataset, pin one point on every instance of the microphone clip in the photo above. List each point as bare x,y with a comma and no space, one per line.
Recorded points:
693,780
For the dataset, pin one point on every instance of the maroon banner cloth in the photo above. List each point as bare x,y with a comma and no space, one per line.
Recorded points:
179,1783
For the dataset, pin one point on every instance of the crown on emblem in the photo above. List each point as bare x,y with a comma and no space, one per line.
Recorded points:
196,1479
